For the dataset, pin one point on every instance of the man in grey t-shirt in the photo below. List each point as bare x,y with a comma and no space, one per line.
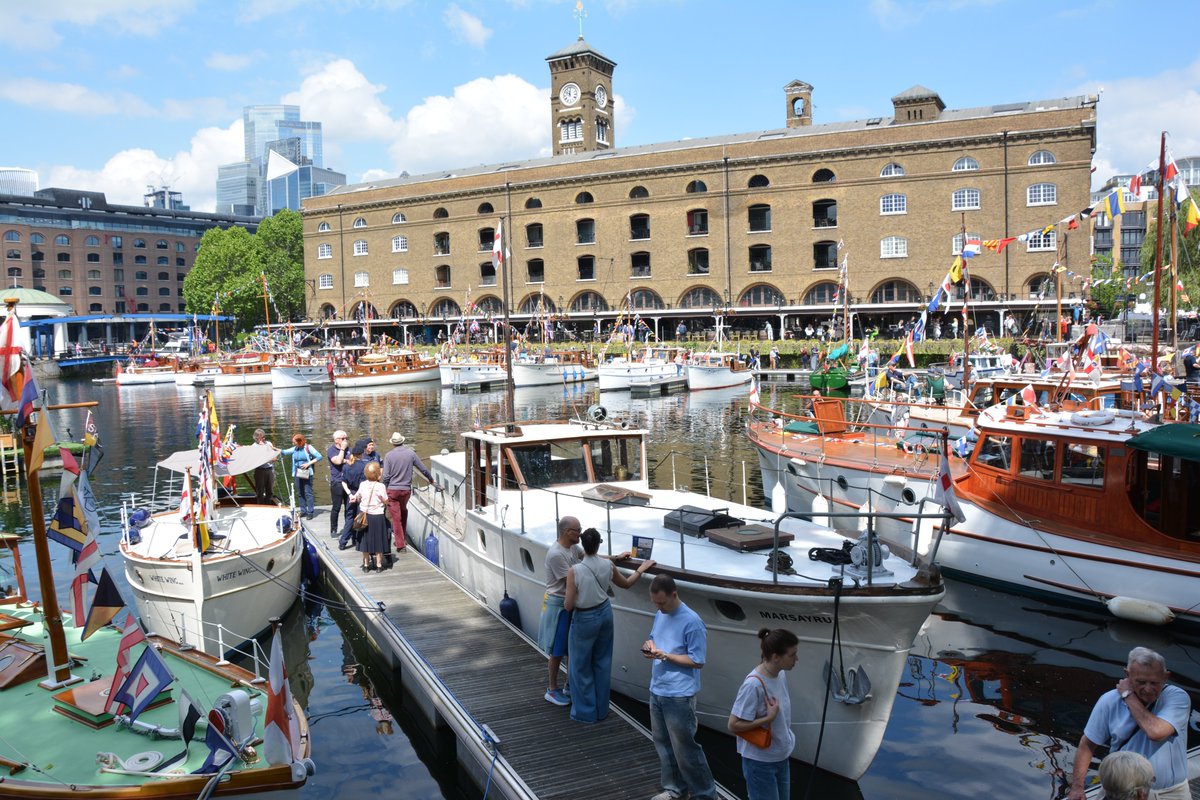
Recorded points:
556,620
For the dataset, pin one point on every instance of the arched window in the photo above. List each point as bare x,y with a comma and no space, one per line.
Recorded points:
892,170
92,241
824,214
37,238
639,226
63,257
964,200
760,258
645,299
638,193
93,258
140,275
570,130
956,243
397,218
821,294
325,280
1041,286
360,223
13,253
445,308
584,197
441,276
896,291
965,164
328,311
893,204
164,276
399,244
893,247
696,187
92,274
62,240
360,247
761,295
163,261
536,304
161,244
1041,194
533,202
700,297
698,261
179,247
399,277
139,244
1042,157
14,272
96,307
758,182
139,259
12,236
981,290
490,306
402,309
486,208
589,301
824,176
324,228
440,213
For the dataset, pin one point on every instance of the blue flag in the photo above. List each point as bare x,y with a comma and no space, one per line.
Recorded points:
220,749
148,678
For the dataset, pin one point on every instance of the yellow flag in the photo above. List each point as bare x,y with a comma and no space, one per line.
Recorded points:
42,439
956,271
1193,217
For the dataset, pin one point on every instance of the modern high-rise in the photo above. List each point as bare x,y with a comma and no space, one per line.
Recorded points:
290,182
242,185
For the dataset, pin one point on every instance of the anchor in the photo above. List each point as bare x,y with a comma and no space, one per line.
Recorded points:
855,691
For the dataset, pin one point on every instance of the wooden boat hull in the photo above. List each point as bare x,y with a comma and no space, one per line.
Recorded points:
386,377
145,376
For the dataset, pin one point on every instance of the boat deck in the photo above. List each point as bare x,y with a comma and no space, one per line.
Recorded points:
498,676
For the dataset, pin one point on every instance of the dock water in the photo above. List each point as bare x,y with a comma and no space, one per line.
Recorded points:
468,668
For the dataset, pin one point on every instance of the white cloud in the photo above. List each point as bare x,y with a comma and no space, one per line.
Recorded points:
466,27
34,26
1133,112
124,177
255,10
232,62
71,98
438,133
123,72
346,103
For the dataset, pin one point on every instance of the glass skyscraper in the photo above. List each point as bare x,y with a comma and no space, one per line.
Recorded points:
243,185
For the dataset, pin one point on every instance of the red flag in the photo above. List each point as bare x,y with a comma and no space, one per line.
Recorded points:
943,492
11,376
133,635
281,729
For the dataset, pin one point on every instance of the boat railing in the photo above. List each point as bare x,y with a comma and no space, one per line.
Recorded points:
220,635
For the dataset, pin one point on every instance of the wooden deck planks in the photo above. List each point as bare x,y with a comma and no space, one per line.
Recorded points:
500,678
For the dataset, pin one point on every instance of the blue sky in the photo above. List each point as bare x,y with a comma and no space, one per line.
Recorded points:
113,95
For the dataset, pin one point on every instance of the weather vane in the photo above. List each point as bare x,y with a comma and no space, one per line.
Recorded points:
579,15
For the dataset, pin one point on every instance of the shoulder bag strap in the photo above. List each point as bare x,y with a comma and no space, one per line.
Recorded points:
766,693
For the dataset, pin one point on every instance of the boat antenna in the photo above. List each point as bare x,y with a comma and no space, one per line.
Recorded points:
501,256
1158,237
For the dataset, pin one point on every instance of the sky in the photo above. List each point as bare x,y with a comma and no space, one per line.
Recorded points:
116,95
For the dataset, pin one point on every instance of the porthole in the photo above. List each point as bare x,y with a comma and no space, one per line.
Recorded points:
527,560
729,610
908,496
482,540
842,483
271,565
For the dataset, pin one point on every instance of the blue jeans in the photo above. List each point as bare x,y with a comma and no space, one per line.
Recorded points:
348,534
304,496
590,647
767,780
682,765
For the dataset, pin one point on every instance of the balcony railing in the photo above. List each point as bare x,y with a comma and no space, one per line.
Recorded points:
825,222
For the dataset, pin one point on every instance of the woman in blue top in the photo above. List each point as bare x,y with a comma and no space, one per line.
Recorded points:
304,456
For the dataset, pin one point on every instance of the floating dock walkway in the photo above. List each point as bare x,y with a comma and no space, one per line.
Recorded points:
656,387
475,674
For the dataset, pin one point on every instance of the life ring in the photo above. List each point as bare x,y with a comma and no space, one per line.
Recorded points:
1093,417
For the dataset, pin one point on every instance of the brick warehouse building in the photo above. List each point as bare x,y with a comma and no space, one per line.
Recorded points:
103,258
744,224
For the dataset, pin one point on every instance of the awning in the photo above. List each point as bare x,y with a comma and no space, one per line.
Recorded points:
244,459
1179,439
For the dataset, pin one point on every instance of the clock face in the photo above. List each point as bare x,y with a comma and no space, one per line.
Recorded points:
569,94
601,97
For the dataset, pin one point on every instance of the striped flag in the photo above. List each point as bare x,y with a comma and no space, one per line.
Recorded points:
133,635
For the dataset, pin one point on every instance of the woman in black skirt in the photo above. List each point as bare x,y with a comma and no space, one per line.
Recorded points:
371,497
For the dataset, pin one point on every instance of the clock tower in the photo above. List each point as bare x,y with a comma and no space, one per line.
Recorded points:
581,101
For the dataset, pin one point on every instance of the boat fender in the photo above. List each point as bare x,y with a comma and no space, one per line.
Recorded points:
310,564
1093,417
510,610
431,548
779,497
820,507
1136,609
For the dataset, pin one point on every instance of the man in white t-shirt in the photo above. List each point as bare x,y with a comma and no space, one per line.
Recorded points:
555,624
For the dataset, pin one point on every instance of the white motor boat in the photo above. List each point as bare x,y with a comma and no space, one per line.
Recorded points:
296,370
558,368
481,366
716,370
499,512
382,369
219,598
650,364
145,373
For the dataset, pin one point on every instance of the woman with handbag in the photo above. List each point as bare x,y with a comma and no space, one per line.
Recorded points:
762,718
304,456
371,499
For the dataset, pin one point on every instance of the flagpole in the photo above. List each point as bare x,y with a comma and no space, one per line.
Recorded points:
966,380
1174,243
509,392
1162,167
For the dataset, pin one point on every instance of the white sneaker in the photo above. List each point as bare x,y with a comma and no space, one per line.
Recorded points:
667,794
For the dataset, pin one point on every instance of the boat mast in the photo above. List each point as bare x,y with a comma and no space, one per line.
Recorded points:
1174,245
1162,167
266,310
503,259
966,379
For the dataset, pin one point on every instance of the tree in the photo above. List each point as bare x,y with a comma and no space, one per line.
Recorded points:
231,264
1188,262
1106,298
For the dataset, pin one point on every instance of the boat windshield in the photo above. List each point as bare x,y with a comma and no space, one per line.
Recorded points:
541,465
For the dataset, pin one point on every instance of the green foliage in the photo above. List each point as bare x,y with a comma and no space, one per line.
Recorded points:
1106,299
231,263
1188,261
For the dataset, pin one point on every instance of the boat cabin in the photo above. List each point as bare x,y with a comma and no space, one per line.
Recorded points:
560,455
